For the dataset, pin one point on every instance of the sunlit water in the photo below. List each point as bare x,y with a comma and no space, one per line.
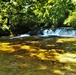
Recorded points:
35,56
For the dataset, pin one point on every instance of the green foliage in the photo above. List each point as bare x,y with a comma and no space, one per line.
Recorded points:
19,16
4,28
71,20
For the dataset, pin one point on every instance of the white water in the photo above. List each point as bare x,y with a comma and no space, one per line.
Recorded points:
59,32
20,36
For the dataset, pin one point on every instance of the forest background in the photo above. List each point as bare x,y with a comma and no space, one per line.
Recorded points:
21,16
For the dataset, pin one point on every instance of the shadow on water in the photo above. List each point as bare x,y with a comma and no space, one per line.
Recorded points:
36,55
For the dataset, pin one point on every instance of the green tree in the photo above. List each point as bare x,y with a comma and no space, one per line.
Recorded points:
71,19
20,16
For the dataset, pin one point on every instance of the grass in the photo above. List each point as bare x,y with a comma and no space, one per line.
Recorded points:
38,56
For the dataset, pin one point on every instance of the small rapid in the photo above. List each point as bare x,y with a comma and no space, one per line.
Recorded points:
57,32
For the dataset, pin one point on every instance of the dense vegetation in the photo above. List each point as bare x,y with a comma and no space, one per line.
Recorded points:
20,16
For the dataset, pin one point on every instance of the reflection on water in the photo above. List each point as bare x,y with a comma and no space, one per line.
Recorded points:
38,56
22,64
